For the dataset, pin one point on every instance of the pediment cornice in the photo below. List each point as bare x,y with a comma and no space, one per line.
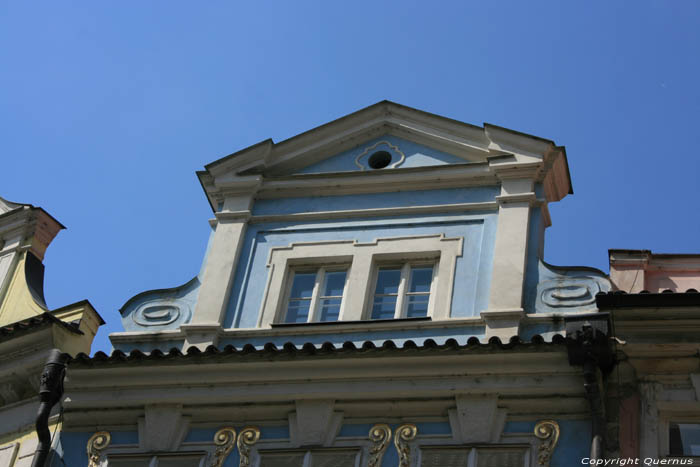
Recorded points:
506,153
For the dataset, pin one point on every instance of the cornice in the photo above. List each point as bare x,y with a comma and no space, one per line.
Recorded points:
476,145
377,212
36,227
399,179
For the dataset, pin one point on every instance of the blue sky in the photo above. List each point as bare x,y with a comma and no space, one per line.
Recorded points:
108,108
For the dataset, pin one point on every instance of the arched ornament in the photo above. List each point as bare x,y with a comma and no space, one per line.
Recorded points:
246,439
97,443
548,432
225,440
403,436
380,435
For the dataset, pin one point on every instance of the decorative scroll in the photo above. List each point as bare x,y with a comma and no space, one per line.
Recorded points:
405,434
548,432
246,439
95,445
380,435
225,440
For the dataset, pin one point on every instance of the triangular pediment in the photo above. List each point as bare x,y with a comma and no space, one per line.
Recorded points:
410,138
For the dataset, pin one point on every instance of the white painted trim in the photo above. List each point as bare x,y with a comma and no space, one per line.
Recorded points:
310,329
400,309
375,146
363,258
374,212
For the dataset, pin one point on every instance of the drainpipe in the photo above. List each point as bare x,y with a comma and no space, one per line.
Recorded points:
588,346
50,392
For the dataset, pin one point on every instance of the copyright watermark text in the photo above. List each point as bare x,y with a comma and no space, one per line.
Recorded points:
622,461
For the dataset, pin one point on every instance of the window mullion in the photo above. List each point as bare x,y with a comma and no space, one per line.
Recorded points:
315,296
471,461
433,290
400,311
307,459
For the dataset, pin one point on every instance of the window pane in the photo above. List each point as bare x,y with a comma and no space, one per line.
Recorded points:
303,285
330,309
179,460
333,459
335,283
130,461
388,281
420,279
684,439
417,306
444,457
282,459
500,458
383,307
298,311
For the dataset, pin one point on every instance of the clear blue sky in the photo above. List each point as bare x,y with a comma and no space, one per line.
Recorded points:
108,108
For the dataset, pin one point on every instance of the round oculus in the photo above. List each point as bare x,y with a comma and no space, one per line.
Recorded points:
379,160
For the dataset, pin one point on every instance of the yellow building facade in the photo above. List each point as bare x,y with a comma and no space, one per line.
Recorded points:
29,329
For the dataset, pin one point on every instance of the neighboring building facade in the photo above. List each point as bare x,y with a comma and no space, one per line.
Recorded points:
29,330
655,314
373,294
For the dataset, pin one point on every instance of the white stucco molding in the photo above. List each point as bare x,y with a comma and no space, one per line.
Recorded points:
25,227
234,199
162,428
241,391
314,423
505,310
362,259
376,212
8,453
191,333
477,418
649,419
489,145
695,381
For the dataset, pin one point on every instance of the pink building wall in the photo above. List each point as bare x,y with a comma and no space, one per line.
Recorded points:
633,271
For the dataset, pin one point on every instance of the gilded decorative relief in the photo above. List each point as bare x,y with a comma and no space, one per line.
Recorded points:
95,445
380,435
225,440
548,432
403,436
246,439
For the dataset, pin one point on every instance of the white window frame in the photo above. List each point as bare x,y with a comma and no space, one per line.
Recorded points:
308,454
363,259
472,456
319,285
154,459
401,303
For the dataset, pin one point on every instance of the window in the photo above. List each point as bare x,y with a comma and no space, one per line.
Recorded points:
500,456
315,295
179,459
315,458
684,439
337,280
402,291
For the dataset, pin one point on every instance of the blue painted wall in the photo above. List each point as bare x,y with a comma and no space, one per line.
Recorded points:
376,200
71,446
473,268
574,440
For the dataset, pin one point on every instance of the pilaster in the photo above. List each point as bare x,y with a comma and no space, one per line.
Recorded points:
505,309
220,266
